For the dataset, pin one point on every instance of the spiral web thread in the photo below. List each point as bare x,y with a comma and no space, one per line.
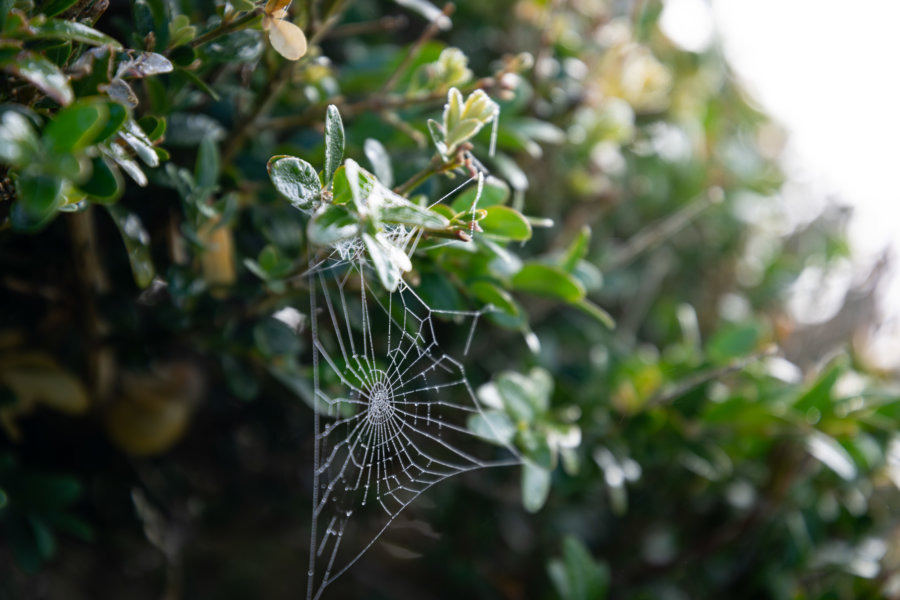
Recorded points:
391,412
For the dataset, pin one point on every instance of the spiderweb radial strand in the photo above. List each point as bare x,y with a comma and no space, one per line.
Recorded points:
391,413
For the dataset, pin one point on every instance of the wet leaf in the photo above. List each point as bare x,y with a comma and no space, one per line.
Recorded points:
492,425
388,261
18,140
380,160
399,210
59,29
38,197
43,74
535,486
75,127
331,224
492,294
137,244
105,184
334,142
296,180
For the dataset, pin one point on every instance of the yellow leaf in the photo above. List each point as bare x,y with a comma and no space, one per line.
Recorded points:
277,9
287,39
154,409
217,259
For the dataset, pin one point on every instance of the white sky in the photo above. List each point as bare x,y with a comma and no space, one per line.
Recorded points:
829,71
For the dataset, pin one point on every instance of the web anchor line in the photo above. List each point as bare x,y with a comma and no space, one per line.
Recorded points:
392,411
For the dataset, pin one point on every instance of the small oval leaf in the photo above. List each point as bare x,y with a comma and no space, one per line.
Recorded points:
296,180
334,142
506,223
546,280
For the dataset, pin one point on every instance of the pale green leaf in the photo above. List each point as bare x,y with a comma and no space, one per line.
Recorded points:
334,142
296,180
535,486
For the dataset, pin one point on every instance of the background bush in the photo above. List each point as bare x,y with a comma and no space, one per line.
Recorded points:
156,422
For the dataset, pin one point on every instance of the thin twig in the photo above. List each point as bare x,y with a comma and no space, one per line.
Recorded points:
432,30
382,25
680,388
375,103
659,232
226,28
392,119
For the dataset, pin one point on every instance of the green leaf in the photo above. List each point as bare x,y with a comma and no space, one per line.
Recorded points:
330,225
21,540
480,107
831,454
535,486
42,74
105,184
274,338
732,341
75,127
388,261
492,425
198,81
341,192
380,160
453,109
296,180
819,395
505,223
464,131
72,31
181,31
4,499
400,210
135,137
273,263
18,140
549,281
588,274
116,115
137,244
54,7
43,537
334,142
603,317
428,11
206,171
489,293
577,250
155,127
38,197
240,377
68,523
438,133
494,193
578,576
182,56
523,400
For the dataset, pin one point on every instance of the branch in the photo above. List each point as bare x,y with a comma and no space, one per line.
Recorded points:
432,30
225,28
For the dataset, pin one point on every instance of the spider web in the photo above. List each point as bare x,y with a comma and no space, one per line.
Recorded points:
391,412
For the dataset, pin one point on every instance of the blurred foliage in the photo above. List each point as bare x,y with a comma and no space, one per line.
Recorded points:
167,171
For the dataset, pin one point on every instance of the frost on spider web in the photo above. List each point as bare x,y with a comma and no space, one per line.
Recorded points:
391,412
